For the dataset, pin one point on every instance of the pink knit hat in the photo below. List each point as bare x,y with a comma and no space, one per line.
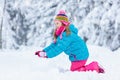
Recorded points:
61,16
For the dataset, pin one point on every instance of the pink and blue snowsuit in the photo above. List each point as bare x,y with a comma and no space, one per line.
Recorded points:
74,47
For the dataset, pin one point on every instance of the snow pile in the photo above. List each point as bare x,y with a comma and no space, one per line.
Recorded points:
24,65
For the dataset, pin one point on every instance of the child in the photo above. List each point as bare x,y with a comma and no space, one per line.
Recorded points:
67,40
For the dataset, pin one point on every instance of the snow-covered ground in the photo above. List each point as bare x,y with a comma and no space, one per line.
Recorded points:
24,65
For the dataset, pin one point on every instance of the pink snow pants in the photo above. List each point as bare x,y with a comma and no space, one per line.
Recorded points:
80,66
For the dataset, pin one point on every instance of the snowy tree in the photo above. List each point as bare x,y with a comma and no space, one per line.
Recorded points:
1,24
30,22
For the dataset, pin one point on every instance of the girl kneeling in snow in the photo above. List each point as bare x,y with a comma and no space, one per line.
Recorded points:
67,40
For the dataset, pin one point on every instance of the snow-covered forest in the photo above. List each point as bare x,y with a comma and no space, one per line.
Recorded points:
27,26
30,22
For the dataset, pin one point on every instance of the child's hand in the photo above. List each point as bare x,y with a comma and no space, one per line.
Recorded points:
41,54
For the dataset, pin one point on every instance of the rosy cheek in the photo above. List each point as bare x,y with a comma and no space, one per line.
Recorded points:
57,24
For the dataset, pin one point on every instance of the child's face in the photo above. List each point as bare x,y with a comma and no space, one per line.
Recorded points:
58,23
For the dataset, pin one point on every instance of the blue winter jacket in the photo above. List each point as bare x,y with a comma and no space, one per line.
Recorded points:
72,45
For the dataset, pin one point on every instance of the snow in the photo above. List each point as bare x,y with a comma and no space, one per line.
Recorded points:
24,65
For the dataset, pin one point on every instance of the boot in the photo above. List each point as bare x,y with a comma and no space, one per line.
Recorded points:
94,66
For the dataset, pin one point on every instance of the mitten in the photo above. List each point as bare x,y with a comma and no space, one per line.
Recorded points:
41,54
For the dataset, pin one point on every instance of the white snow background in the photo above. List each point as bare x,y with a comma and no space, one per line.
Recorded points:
30,22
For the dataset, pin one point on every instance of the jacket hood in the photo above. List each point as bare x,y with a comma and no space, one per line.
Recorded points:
73,29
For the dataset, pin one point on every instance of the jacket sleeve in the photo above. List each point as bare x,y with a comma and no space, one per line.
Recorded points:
55,49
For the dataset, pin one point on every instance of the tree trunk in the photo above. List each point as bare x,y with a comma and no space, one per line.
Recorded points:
1,25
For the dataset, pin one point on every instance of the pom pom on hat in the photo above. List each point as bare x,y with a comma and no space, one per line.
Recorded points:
62,12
